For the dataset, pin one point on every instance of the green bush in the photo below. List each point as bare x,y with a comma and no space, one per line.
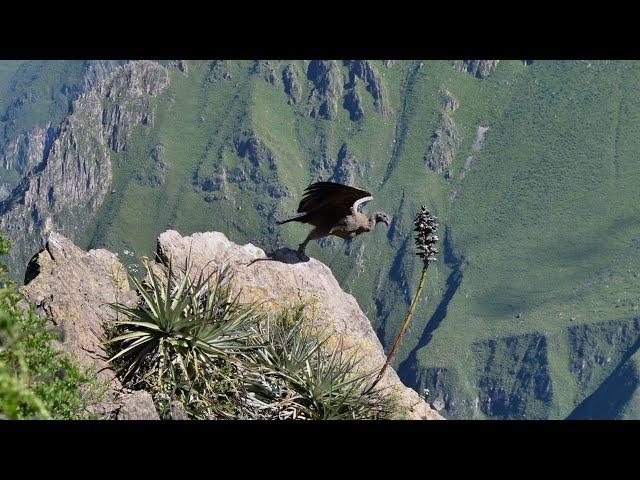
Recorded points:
299,376
36,381
193,341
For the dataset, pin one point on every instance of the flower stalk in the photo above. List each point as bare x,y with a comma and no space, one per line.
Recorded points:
426,226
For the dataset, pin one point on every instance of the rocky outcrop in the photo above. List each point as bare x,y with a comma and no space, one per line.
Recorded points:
478,68
256,175
365,71
26,135
598,348
443,147
347,168
283,280
260,167
5,191
258,154
181,65
449,102
219,70
353,104
517,389
328,86
99,71
268,70
72,288
28,149
64,191
291,81
446,140
128,105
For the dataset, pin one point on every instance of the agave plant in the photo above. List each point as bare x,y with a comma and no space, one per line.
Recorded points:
191,339
286,345
331,390
300,377
181,326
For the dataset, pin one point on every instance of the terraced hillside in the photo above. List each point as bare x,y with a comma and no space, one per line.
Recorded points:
532,311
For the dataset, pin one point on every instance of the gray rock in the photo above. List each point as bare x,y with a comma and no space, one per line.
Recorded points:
256,152
72,288
449,103
364,70
347,167
267,69
478,68
353,104
99,71
5,191
284,281
177,411
138,406
219,70
329,84
290,79
29,149
444,145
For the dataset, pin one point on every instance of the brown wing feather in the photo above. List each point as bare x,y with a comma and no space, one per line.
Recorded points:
330,196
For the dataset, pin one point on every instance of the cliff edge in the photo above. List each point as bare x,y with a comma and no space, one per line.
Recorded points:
72,287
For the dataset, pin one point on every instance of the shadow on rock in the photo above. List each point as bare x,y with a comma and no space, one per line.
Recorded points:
283,255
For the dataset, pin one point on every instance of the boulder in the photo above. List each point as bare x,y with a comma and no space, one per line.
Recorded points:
138,406
283,280
72,287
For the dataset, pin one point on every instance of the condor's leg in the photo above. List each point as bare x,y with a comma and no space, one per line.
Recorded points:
314,234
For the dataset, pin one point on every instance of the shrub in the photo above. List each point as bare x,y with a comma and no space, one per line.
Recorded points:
181,339
301,377
36,381
191,339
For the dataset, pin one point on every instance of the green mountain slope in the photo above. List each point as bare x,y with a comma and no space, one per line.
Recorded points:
34,94
546,222
532,311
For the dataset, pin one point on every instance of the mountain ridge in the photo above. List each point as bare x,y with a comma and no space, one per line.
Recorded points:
531,161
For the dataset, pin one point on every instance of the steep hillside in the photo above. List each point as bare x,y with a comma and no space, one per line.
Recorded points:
544,229
531,168
35,97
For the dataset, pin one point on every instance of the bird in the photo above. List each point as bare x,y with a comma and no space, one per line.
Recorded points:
332,208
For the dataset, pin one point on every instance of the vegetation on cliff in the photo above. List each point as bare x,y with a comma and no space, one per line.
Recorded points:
190,339
36,380
530,161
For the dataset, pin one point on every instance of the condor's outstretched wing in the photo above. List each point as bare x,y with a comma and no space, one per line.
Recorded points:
332,197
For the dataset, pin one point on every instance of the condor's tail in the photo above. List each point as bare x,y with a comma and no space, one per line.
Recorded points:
299,218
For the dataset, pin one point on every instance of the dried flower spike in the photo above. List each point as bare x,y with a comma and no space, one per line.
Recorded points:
426,238
426,227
